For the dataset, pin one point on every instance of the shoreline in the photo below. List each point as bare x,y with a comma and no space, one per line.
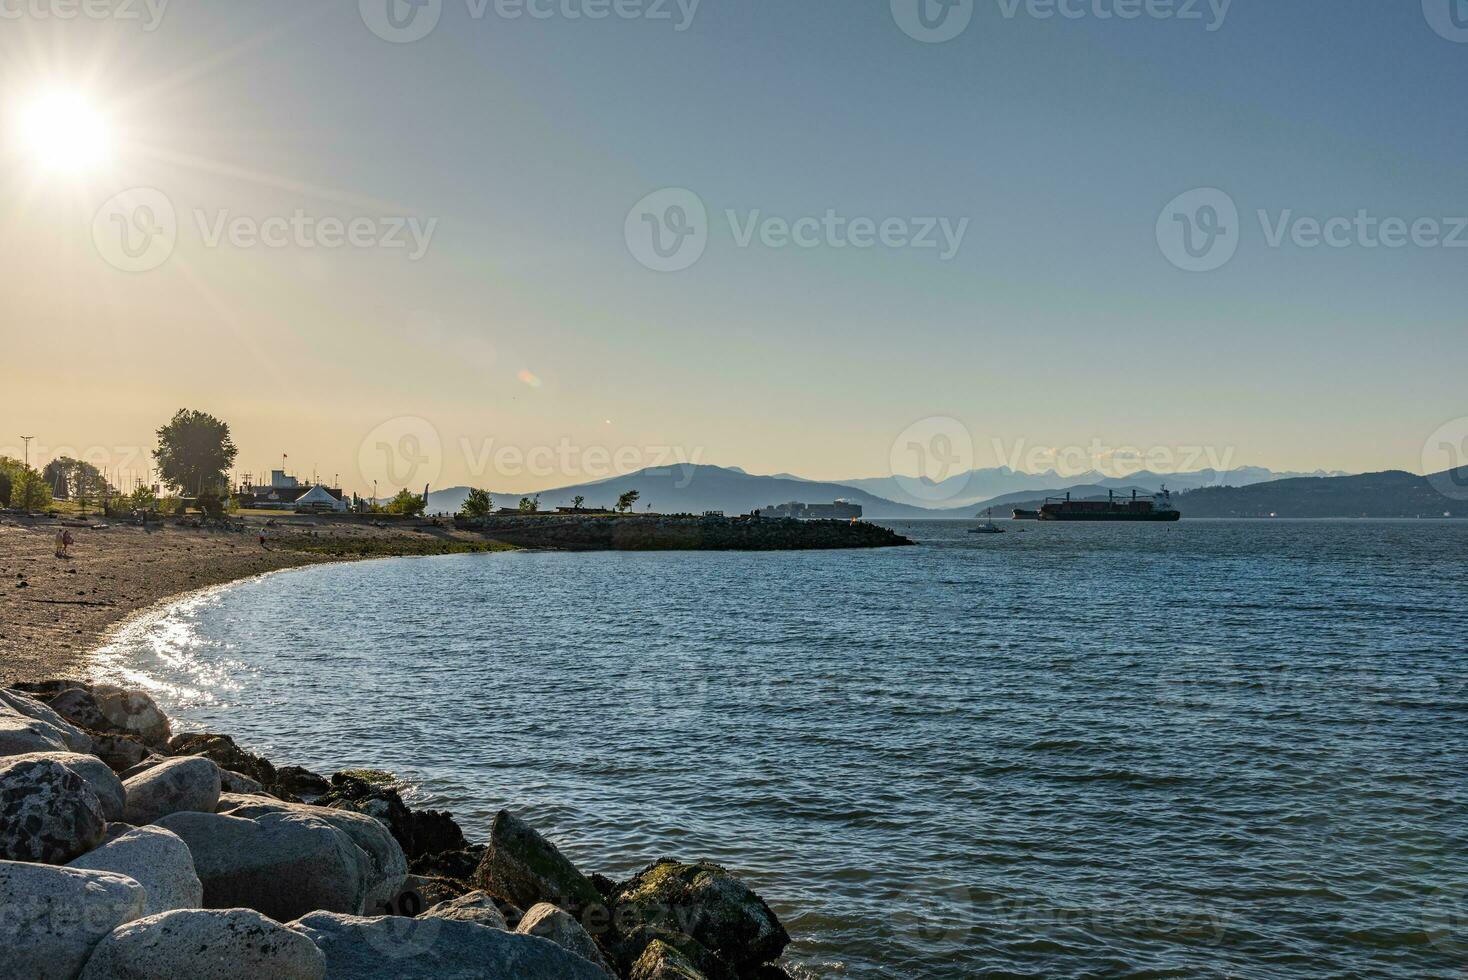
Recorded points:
57,612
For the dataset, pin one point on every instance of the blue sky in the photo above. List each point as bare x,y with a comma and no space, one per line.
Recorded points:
1059,322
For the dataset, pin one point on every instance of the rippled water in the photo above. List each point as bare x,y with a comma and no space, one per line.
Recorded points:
1210,749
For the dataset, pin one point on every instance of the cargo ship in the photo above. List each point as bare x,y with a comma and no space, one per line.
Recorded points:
1158,507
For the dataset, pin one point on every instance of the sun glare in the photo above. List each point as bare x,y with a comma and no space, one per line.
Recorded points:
64,132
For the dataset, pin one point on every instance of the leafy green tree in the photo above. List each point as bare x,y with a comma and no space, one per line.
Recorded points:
478,504
577,501
9,473
74,479
29,491
406,502
195,453
211,504
142,498
528,506
625,502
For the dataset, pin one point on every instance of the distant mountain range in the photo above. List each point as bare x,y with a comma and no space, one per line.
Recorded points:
691,488
694,489
1390,494
990,486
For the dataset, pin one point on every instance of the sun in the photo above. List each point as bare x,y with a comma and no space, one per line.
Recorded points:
64,132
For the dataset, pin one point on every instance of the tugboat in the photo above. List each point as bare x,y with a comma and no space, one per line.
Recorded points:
1158,507
988,526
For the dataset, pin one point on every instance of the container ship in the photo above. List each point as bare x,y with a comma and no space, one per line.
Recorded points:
1158,507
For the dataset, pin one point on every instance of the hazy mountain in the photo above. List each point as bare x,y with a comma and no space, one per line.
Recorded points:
693,489
986,486
1390,494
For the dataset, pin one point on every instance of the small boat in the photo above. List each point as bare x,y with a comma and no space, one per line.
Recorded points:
988,526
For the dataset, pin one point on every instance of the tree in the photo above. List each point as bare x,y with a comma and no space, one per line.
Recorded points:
142,498
195,452
9,473
478,504
406,503
211,504
73,479
528,506
577,501
29,491
625,502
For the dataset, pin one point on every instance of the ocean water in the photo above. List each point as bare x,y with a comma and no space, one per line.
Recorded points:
1210,749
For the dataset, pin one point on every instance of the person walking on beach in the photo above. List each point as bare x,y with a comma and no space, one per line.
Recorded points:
263,545
64,540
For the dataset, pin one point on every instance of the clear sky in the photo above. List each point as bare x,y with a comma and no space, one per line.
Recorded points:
518,147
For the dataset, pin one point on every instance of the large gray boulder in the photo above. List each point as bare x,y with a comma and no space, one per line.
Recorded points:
120,752
52,917
281,864
392,948
108,708
388,864
94,772
707,903
47,812
155,858
527,869
76,740
199,944
22,735
549,922
172,786
473,906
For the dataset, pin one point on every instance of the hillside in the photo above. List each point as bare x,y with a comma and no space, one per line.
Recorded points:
1390,494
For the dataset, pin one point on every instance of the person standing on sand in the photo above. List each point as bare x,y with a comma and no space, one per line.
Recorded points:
262,540
64,540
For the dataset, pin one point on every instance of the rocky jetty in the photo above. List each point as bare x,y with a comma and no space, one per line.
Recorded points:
679,532
128,852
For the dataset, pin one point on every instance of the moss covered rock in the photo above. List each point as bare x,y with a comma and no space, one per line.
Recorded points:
527,869
707,903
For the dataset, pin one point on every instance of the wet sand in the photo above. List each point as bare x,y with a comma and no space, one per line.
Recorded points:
53,611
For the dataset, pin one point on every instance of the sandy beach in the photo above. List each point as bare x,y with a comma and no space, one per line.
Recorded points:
54,610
